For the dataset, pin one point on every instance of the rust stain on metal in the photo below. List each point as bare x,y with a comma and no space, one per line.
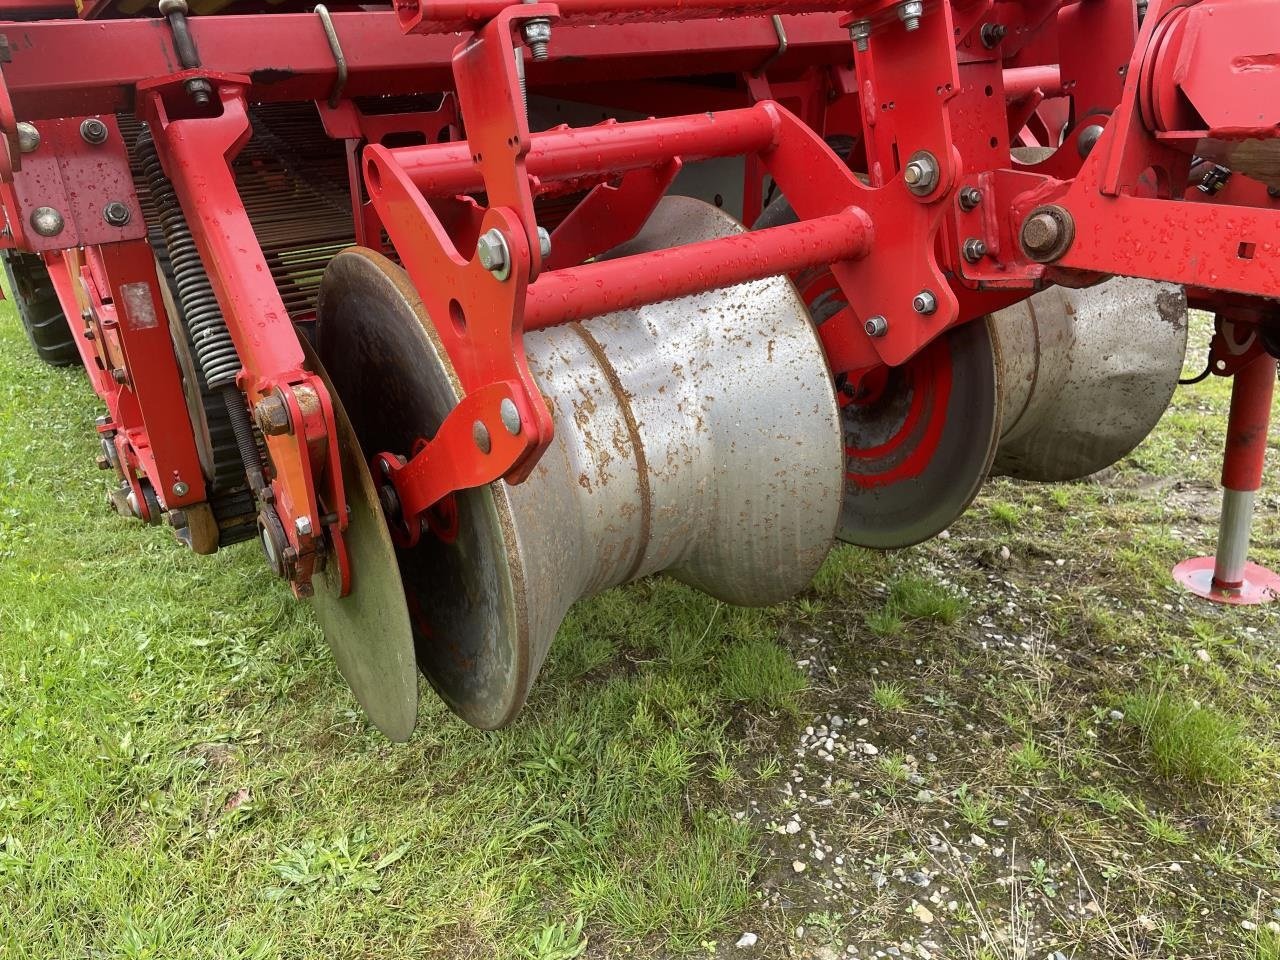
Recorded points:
637,445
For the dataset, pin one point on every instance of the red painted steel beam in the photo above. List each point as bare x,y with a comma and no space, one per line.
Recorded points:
442,170
435,16
602,287
1247,424
76,68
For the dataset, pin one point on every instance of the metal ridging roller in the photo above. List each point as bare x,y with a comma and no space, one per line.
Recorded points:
698,437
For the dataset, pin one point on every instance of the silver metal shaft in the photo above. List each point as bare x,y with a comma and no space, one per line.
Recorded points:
1233,537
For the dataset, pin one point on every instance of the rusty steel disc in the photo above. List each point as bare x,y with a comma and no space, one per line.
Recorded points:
465,590
368,630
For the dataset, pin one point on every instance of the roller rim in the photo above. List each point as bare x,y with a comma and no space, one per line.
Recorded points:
380,346
369,630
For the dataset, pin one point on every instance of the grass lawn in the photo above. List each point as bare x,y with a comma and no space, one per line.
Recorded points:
1016,740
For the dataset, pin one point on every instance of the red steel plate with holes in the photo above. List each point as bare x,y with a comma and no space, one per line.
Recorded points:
78,180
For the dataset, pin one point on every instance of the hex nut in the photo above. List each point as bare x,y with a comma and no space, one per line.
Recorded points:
93,130
271,414
970,198
116,213
860,34
493,254
876,326
921,174
925,303
910,12
974,250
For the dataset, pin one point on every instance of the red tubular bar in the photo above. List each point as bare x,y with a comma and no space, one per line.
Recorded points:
596,288
1019,82
1247,424
444,170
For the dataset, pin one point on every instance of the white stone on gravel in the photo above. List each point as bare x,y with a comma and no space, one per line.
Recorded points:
869,749
798,866
1115,715
921,912
747,940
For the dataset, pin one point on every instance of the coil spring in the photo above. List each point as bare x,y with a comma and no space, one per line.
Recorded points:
215,350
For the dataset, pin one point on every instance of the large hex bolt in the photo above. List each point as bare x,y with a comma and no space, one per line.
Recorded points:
860,34
1047,233
921,173
271,414
537,34
969,199
910,12
493,253
93,130
28,137
46,221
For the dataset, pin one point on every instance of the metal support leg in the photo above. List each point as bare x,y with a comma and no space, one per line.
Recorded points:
1228,577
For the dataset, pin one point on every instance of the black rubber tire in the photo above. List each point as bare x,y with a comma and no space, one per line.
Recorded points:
39,309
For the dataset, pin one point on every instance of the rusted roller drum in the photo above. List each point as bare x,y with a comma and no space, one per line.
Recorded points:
1085,374
699,437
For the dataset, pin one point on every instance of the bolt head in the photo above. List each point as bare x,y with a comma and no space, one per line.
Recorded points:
876,326
119,374
116,213
537,30
46,221
93,130
271,414
28,137
910,13
1088,139
302,526
180,489
860,34
491,251
1041,232
480,434
924,303
970,198
921,173
544,242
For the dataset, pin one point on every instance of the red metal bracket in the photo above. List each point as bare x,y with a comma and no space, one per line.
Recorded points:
72,192
196,151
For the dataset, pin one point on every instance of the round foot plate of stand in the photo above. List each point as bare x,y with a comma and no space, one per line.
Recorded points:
1260,585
